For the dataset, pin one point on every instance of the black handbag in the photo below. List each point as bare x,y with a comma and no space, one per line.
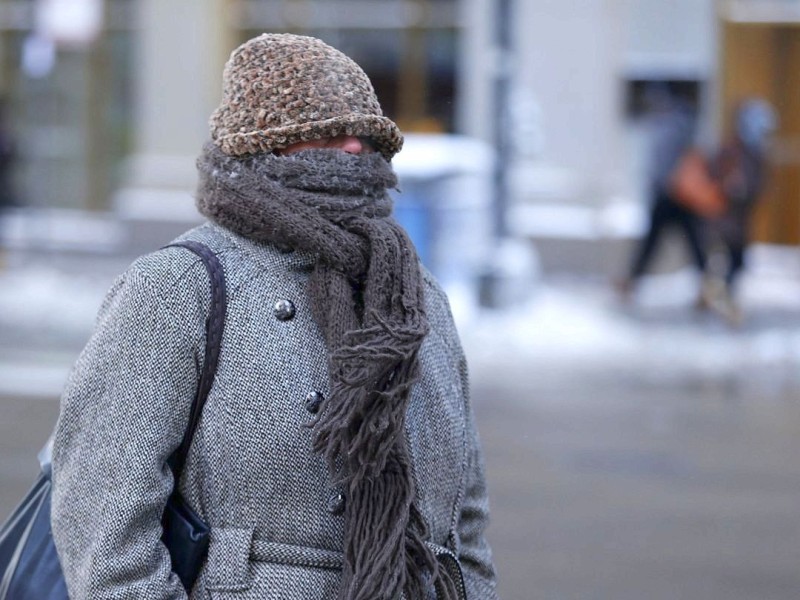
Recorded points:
29,564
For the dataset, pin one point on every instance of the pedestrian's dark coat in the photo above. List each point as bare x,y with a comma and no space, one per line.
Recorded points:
251,473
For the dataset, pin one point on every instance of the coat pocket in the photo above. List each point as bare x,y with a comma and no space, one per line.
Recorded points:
228,567
243,568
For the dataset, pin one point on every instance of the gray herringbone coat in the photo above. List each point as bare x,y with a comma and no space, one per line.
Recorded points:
251,473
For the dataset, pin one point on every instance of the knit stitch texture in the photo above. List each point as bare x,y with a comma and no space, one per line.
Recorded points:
279,89
252,473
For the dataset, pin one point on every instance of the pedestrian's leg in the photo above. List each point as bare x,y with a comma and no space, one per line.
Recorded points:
693,230
692,226
659,217
735,262
731,309
736,241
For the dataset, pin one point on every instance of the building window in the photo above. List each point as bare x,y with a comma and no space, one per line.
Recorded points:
69,106
407,48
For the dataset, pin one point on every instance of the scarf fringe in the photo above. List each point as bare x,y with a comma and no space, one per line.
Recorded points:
367,298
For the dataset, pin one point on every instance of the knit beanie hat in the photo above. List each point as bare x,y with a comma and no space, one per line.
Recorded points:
279,89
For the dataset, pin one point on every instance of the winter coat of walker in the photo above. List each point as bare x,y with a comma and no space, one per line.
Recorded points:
337,455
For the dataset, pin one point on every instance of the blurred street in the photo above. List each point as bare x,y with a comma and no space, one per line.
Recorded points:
634,451
648,454
642,447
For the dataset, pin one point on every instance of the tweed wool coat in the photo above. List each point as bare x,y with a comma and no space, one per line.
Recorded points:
276,528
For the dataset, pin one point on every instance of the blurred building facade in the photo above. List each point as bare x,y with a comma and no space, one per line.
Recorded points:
67,87
109,99
760,56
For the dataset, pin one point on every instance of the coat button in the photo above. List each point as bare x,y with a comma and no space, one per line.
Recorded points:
284,310
313,402
336,504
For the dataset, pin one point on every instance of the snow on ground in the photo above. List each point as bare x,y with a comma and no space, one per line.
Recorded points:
46,315
44,298
581,328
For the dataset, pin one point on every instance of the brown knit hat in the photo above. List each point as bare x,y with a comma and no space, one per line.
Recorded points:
279,89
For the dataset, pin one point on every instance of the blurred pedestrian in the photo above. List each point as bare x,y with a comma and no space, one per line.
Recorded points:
337,455
672,128
740,169
8,158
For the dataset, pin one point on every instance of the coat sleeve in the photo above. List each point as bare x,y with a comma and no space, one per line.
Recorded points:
474,552
123,412
472,509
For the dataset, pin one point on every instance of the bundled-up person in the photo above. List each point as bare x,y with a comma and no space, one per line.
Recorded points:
740,169
672,127
337,454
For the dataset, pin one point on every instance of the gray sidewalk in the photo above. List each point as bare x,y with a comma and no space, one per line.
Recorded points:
641,452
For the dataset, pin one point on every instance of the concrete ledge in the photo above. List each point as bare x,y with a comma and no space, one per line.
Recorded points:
151,217
61,230
590,240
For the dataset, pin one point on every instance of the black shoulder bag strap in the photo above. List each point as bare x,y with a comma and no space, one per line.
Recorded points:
185,534
215,325
29,566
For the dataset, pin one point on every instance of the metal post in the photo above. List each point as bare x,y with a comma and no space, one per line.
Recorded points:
490,286
502,92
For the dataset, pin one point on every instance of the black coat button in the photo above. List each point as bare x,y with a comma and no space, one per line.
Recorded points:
336,504
284,310
314,401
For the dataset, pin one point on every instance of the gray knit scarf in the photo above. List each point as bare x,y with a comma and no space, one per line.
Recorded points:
367,297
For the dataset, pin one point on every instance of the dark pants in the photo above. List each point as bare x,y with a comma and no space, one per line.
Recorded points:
734,230
666,213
